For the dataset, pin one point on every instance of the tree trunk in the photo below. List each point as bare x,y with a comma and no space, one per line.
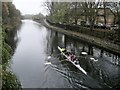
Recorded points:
92,23
91,26
76,21
114,22
119,27
105,21
76,13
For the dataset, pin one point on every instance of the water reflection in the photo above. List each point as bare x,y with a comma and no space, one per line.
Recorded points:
38,63
102,70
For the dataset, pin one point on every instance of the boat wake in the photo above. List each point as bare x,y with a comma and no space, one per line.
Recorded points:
47,63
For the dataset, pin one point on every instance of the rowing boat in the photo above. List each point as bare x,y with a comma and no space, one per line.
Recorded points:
68,59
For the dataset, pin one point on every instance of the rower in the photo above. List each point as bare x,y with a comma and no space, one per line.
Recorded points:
63,50
76,61
73,57
66,51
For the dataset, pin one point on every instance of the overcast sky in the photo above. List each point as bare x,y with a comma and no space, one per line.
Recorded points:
30,6
36,6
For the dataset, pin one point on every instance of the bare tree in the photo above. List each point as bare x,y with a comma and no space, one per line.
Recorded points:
90,12
104,6
115,8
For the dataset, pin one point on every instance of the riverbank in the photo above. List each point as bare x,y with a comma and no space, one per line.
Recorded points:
87,38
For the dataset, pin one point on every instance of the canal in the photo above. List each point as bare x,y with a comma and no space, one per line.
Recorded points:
37,62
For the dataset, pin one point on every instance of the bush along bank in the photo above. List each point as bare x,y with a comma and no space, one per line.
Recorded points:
10,19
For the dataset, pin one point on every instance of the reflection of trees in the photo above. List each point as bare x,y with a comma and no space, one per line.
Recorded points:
93,68
53,42
114,59
101,53
90,50
72,44
65,40
11,39
112,82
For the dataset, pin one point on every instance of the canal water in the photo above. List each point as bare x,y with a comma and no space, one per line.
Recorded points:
37,62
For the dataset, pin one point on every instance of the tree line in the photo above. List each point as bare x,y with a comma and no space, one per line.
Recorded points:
9,21
73,13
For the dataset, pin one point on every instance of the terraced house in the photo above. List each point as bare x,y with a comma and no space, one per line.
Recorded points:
106,16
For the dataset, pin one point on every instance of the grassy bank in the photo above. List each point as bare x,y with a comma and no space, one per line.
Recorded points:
90,39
